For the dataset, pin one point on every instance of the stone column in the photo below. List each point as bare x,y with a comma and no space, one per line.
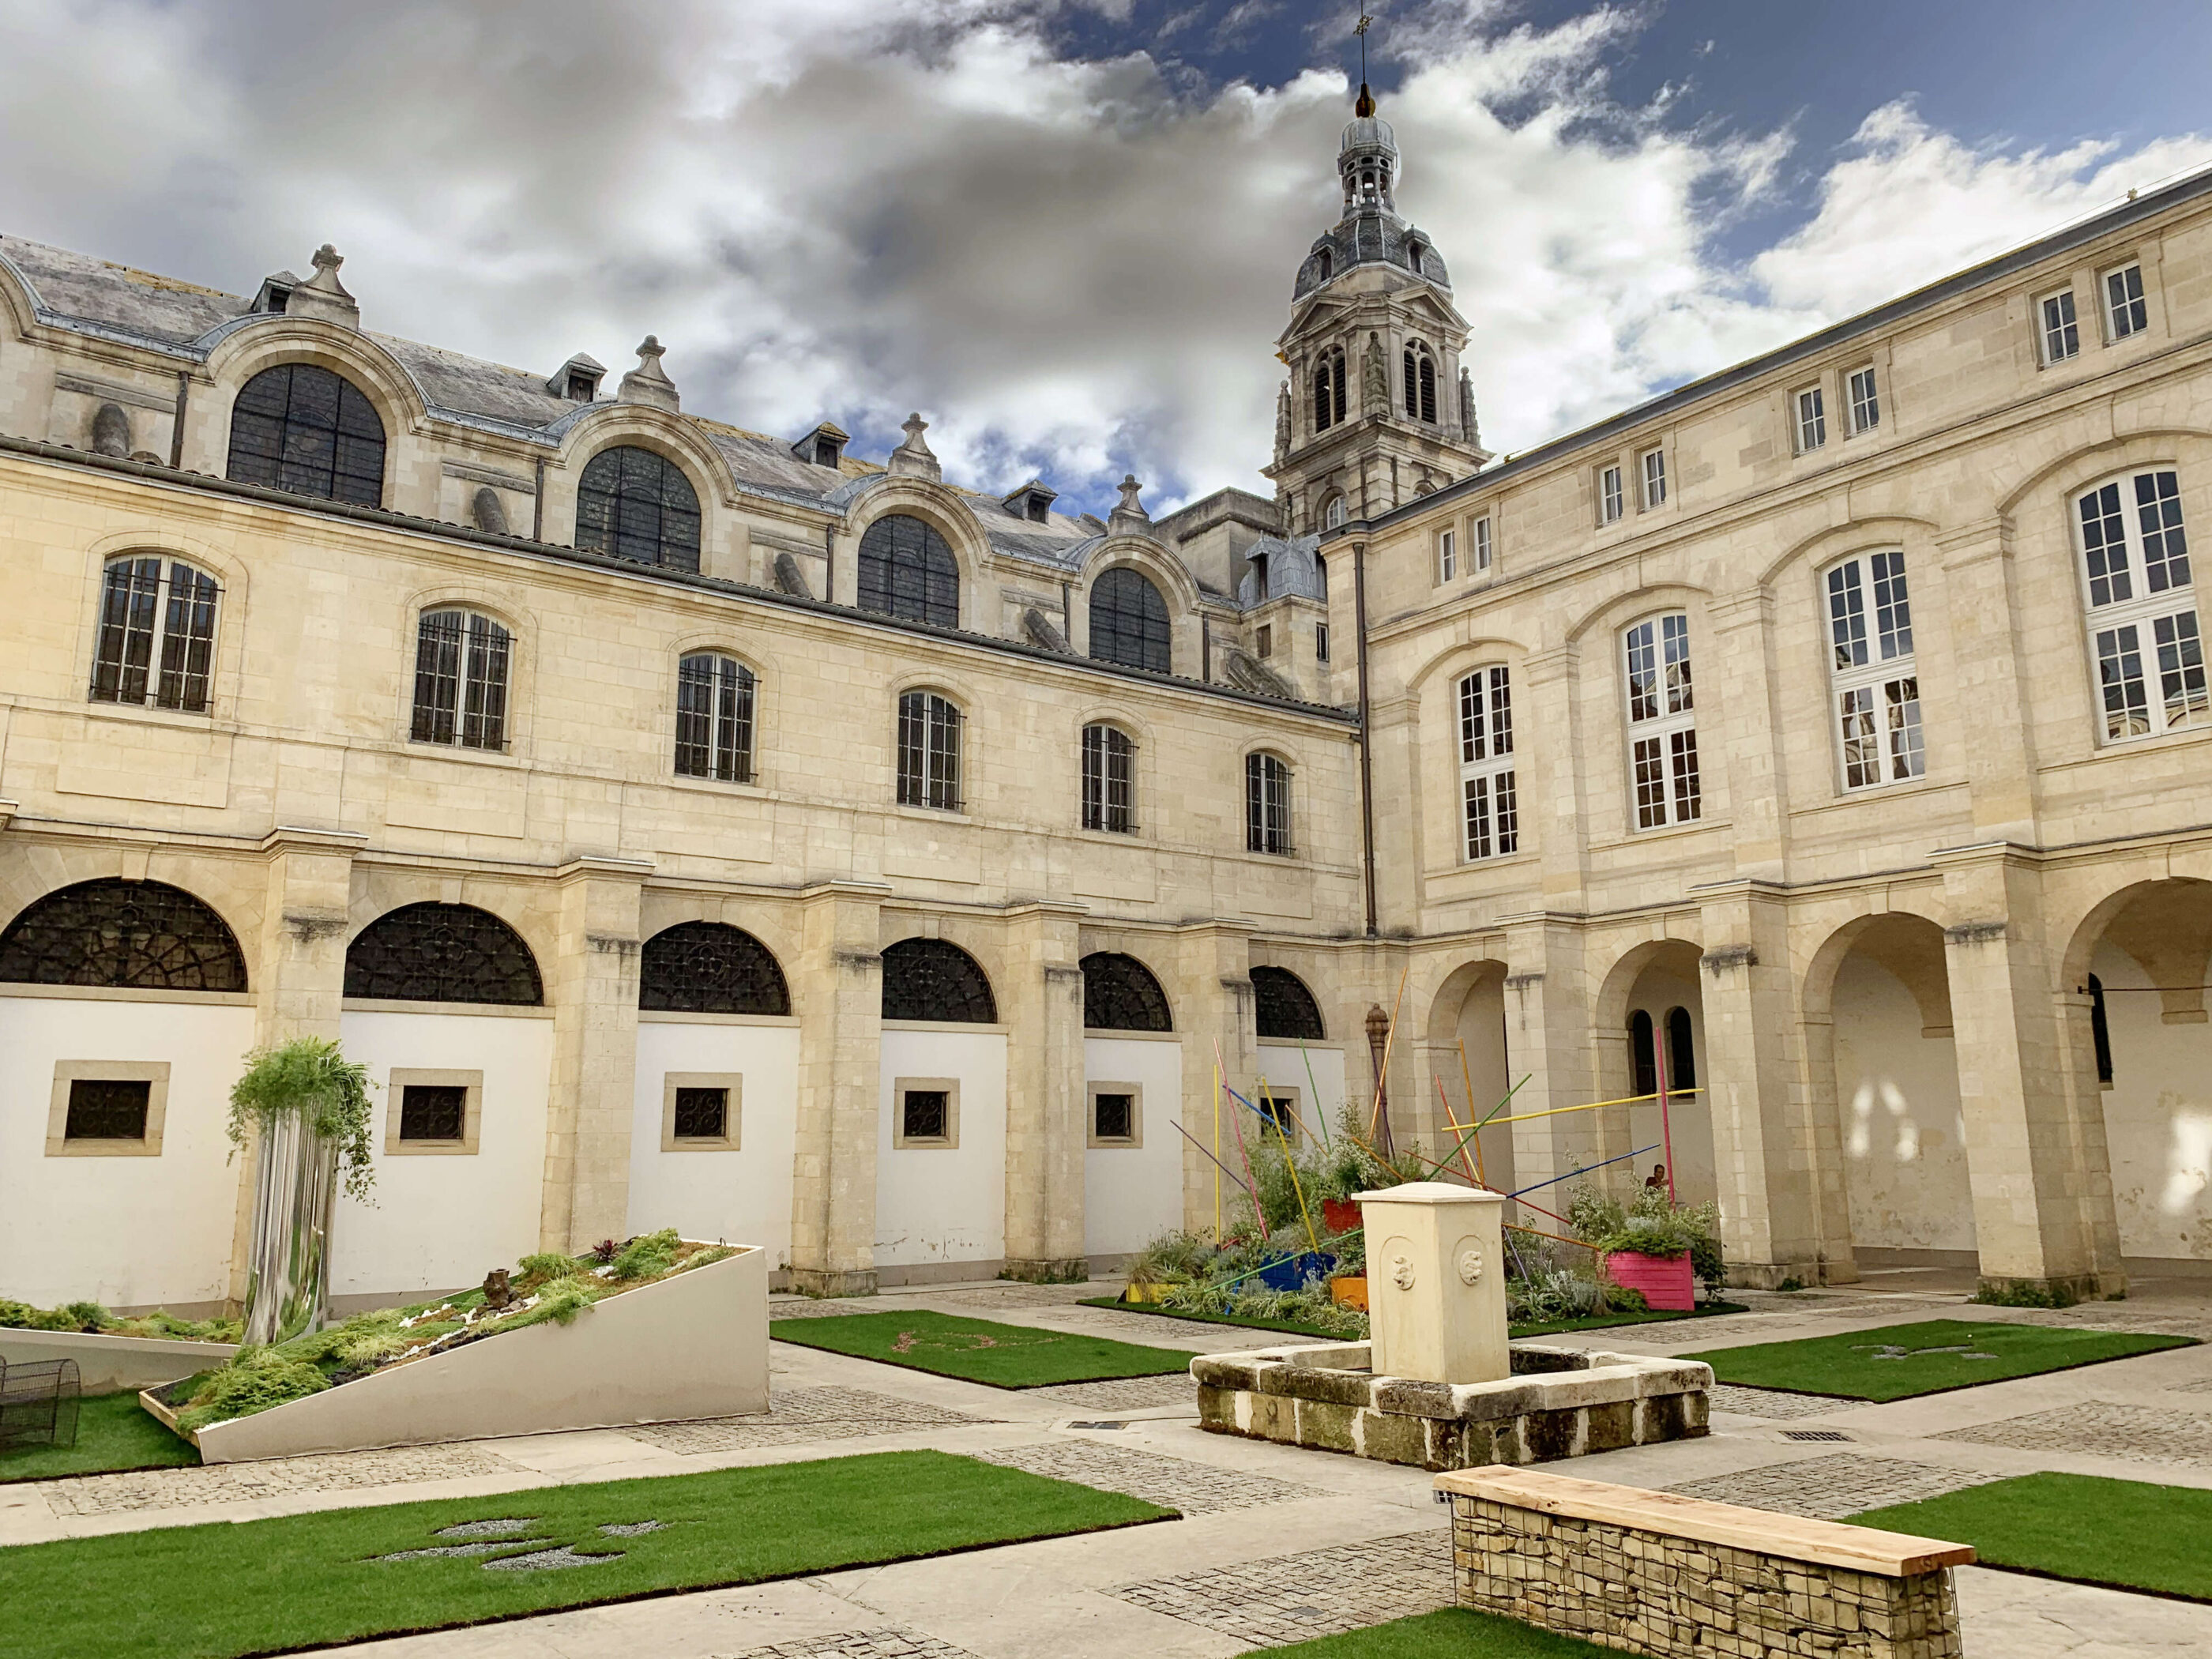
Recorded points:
2036,1158
1045,1096
594,1091
1214,1006
1551,785
1548,1041
840,996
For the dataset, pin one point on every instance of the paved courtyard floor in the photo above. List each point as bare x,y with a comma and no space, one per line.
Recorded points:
1277,1544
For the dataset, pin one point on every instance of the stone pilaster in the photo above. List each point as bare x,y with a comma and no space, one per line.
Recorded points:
1215,1007
592,1098
1981,624
1045,1096
840,996
1551,785
1744,720
1548,1041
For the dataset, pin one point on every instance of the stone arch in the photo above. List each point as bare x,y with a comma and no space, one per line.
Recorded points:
435,952
1284,1007
2084,463
1652,977
1832,542
121,934
942,510
264,341
1465,1051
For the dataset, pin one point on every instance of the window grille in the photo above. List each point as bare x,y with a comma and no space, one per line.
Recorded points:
1328,389
2124,302
934,979
299,428
1320,641
1654,478
108,1108
1487,785
715,719
1129,621
156,644
702,1114
434,953
1267,804
1113,1117
1110,767
134,935
1642,1054
637,505
1285,1009
1121,995
2145,643
907,569
710,967
1877,686
2062,337
1610,501
1812,420
461,660
1663,736
928,751
1866,401
432,1111
1420,371
925,1114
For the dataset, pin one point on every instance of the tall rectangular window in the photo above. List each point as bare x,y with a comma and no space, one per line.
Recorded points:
2146,643
2061,336
460,680
1110,761
1664,776
1320,641
1654,478
928,751
715,719
155,644
1812,420
1488,793
1876,683
1447,555
1610,503
1267,804
1866,401
2124,301
1482,542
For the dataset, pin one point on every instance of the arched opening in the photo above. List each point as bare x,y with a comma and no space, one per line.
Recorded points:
934,979
1638,1052
1328,388
636,504
1284,1007
122,935
1471,1073
1120,993
907,569
1129,621
300,427
710,967
435,952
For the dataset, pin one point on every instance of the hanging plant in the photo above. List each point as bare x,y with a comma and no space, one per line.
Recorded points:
309,1079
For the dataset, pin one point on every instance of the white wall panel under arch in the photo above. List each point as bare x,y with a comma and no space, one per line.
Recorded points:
1132,1193
940,1206
742,1194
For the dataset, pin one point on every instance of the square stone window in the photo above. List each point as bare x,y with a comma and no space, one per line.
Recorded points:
432,1112
700,1111
108,1108
925,1112
1117,1114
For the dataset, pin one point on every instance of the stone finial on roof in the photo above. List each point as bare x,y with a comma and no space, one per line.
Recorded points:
914,459
1470,428
1128,517
649,383
323,295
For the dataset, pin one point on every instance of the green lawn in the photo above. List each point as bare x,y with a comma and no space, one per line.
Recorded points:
1453,1634
2129,1534
1593,1323
220,1590
112,1432
978,1350
1896,1362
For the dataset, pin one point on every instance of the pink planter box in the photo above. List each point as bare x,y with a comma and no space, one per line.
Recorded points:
1666,1282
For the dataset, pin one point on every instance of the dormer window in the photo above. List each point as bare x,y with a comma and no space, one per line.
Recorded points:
1032,501
1413,256
824,446
275,292
581,387
577,380
1328,264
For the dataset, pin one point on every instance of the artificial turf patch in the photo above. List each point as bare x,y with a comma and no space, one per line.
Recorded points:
1450,1633
221,1590
2129,1534
1896,1362
112,1432
979,1350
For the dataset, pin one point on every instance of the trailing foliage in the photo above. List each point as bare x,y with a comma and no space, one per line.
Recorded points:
311,1079
647,1257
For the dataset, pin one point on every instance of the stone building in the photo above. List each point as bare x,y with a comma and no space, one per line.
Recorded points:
690,827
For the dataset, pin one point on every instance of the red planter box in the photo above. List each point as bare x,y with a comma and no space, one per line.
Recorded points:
1666,1282
1340,1215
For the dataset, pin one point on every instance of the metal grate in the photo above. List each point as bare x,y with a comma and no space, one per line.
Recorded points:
139,935
434,953
1121,995
907,569
924,1112
1129,621
702,1114
1813,1434
710,967
39,1403
108,1108
935,979
432,1111
1286,1008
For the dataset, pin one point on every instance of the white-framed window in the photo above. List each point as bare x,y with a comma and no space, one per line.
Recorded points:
1267,804
1490,801
1876,683
1866,400
929,750
462,660
714,698
1654,478
2124,310
1447,555
1812,408
155,643
2062,334
1610,500
1482,542
2143,635
1662,728
1110,779
1332,516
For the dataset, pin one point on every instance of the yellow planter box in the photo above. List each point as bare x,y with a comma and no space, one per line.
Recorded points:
1349,1291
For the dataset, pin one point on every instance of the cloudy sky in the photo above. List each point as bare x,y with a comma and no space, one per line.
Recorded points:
1065,229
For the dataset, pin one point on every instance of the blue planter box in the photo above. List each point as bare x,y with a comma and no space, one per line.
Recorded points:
1292,1275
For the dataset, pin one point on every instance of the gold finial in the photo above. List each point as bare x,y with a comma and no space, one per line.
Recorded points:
1365,106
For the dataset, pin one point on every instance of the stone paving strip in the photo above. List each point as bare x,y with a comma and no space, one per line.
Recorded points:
2203,1385
886,1644
2100,1428
1021,1295
1830,1488
1176,1483
1292,1598
1128,1394
1773,1403
797,1416
811,1308
233,1483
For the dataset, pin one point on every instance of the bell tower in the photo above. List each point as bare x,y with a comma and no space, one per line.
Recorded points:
1378,409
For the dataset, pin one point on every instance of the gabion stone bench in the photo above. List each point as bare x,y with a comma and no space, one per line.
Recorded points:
1656,1573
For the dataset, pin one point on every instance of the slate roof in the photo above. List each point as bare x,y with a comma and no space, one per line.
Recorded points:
1293,568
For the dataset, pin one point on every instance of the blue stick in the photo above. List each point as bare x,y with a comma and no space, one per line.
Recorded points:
1571,1174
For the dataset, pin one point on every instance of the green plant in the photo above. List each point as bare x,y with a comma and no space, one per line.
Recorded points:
254,1382
310,1078
560,1301
534,1270
2022,1293
90,1317
1651,1224
1792,1283
648,1256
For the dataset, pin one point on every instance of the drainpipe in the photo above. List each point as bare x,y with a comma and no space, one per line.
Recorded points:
830,562
176,423
1366,760
537,504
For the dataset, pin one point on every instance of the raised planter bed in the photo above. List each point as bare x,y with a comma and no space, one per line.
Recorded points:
110,1363
1667,1281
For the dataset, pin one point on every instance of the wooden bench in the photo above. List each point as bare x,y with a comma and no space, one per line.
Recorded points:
1654,1572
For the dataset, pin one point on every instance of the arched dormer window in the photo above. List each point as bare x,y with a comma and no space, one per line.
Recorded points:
461,665
155,646
929,743
435,952
1332,514
1121,995
1421,383
1328,388
636,504
714,718
1129,620
907,569
1110,779
1413,251
1327,266
300,427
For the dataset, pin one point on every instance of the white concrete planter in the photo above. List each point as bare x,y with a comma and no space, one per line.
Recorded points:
107,1364
692,1345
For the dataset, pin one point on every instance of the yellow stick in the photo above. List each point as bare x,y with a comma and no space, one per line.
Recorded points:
1592,1106
1473,1171
1467,1078
1382,1078
1291,1164
1217,1152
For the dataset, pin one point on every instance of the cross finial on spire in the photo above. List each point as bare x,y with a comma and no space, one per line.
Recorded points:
1365,106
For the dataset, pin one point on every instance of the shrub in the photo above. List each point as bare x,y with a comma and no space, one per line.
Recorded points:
309,1077
90,1317
560,1301
253,1382
536,1268
649,1256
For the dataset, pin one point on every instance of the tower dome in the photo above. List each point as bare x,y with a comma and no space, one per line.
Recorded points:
1369,231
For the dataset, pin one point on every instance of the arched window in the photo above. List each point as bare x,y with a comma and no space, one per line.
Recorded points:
935,979
461,662
1286,1010
1331,515
2101,1030
434,953
128,935
715,719
638,505
1267,804
2143,629
710,967
1327,266
1110,779
1876,685
1414,252
1128,620
928,751
1662,727
1421,383
1488,790
300,427
1642,1054
907,569
1328,388
1681,1051
155,646
1121,995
